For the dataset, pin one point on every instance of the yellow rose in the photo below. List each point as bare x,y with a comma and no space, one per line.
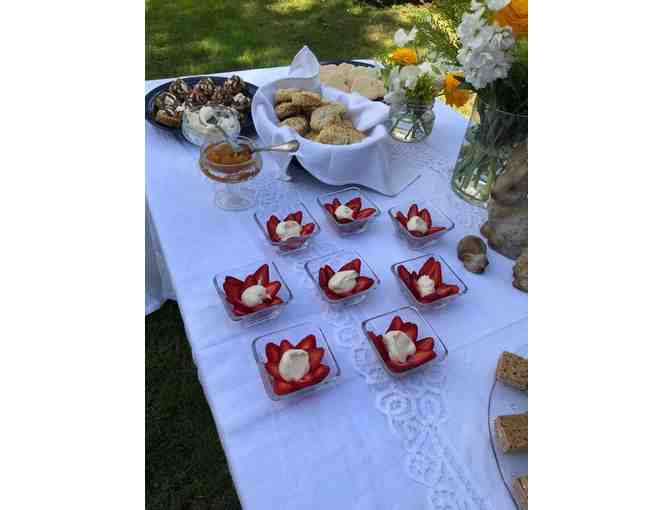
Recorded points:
454,96
404,56
514,15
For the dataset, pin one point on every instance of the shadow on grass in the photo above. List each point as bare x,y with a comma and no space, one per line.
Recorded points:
185,466
207,36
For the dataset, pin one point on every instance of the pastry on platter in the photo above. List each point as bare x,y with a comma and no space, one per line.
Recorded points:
511,432
520,491
298,124
512,371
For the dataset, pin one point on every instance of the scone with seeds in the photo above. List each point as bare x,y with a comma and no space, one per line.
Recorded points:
304,99
285,110
298,124
337,134
512,370
511,432
325,115
284,95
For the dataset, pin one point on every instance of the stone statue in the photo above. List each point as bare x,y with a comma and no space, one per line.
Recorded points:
506,227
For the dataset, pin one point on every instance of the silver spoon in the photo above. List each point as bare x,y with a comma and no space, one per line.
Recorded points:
291,146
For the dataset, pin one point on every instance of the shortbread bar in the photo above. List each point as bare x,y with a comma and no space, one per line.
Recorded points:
520,491
512,370
511,432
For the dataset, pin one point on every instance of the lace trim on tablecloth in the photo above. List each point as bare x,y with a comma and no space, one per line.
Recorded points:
415,405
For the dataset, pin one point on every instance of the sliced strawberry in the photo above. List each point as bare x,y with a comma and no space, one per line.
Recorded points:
447,290
272,225
332,295
307,343
404,275
412,211
330,208
380,346
362,283
281,387
320,373
323,279
420,357
336,203
426,217
433,230
297,217
355,204
305,381
276,301
411,330
273,353
427,266
237,310
261,275
353,265
272,369
307,229
233,287
426,344
249,281
435,272
401,218
396,324
315,357
285,346
365,213
272,289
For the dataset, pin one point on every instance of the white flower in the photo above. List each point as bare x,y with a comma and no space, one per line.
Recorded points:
409,76
401,38
426,68
497,5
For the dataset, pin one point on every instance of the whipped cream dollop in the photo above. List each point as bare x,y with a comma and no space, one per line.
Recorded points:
287,229
294,364
399,345
417,224
343,212
426,285
343,281
254,295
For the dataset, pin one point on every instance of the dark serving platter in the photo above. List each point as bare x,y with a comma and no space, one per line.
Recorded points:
246,125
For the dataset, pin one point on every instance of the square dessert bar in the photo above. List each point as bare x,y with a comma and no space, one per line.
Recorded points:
512,370
520,491
511,432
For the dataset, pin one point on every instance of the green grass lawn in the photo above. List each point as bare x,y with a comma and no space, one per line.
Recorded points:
185,464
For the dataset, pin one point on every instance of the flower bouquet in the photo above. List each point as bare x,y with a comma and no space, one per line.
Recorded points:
488,54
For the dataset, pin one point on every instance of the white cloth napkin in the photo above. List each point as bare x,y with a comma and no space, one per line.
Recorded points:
366,163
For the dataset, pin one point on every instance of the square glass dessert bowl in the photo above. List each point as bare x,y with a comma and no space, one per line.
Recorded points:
429,275
426,220
241,288
406,326
342,278
288,227
321,368
356,208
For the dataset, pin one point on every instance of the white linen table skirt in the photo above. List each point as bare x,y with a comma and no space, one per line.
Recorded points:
369,442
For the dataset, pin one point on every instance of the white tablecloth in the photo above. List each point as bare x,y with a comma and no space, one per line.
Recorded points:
369,442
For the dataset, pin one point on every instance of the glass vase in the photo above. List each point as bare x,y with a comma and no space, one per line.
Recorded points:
410,121
488,142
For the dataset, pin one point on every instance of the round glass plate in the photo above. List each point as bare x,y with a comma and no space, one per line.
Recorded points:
507,400
247,126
